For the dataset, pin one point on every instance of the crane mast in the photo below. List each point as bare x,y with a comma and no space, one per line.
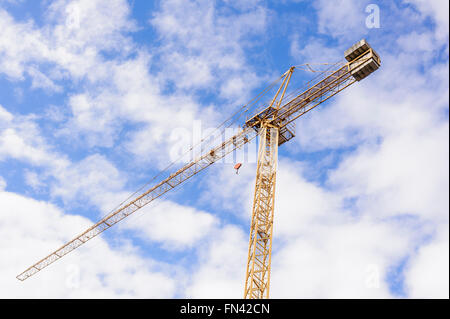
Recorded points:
274,125
260,243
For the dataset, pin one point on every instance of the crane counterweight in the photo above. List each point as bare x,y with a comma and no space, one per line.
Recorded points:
363,59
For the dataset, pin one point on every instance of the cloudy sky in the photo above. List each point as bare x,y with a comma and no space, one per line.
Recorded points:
92,93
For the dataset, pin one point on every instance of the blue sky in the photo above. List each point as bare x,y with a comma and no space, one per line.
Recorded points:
95,96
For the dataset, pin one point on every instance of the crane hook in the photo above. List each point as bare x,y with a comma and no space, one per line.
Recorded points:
237,166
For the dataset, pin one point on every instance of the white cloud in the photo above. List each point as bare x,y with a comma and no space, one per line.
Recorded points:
69,46
32,179
14,53
438,10
40,80
395,176
20,138
406,174
175,226
321,249
341,18
98,24
93,179
2,184
243,5
380,203
70,42
400,163
5,116
203,47
314,51
300,204
221,273
30,229
229,191
75,34
427,274
339,260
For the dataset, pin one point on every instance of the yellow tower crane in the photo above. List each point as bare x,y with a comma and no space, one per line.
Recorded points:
274,125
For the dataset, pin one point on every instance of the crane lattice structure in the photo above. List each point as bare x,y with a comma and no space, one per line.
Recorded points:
274,124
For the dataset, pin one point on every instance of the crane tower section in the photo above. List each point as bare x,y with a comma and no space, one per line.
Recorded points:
260,243
275,127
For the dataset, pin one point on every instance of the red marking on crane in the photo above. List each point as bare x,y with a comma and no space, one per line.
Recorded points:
237,166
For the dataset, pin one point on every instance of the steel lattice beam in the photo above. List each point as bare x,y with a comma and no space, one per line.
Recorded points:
257,277
154,192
